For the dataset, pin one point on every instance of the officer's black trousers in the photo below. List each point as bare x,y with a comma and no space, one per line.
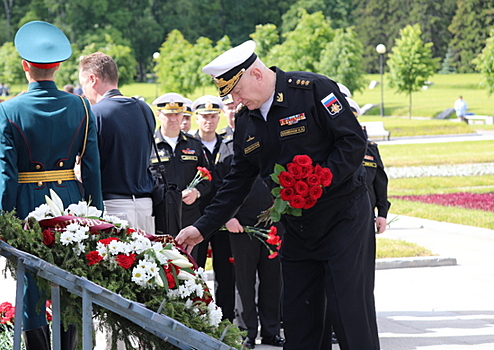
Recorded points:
344,279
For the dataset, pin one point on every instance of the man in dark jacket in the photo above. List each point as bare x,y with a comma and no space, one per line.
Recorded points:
325,252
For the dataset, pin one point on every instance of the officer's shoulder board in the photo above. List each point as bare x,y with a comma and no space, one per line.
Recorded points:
299,82
221,132
227,138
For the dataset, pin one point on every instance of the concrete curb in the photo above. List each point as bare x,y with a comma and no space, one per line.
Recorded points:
423,261
395,263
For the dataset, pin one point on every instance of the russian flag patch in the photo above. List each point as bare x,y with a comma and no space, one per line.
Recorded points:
332,104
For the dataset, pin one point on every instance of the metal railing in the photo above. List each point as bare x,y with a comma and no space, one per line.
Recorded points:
160,325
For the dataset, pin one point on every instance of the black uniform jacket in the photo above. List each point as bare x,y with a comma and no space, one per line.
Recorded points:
308,116
181,164
376,179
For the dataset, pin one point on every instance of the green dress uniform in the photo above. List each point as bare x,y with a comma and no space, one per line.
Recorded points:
43,130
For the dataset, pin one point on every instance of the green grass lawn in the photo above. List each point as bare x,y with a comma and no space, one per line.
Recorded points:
428,103
423,154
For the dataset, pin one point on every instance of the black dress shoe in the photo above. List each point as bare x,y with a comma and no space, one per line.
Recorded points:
249,343
334,340
275,340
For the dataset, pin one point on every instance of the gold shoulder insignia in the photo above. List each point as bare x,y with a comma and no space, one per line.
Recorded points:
250,138
279,97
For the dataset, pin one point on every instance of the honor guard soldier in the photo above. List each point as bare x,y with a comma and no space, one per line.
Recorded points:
325,251
43,131
180,154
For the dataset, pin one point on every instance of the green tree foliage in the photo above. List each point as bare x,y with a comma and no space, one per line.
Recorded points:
410,63
170,65
447,67
379,22
484,63
266,36
470,28
296,53
341,60
11,71
68,72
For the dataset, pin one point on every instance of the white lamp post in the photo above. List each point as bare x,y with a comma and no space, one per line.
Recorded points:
156,55
381,50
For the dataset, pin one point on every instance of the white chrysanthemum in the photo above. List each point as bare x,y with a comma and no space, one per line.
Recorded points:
81,233
215,314
79,248
139,245
152,269
199,290
201,273
67,237
144,264
40,213
120,223
140,276
188,304
73,227
116,247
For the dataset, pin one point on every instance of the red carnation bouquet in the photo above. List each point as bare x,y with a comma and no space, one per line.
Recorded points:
301,185
202,174
269,237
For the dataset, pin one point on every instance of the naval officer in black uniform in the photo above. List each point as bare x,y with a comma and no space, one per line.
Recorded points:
325,252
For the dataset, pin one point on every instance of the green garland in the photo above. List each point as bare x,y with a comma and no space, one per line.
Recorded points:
27,236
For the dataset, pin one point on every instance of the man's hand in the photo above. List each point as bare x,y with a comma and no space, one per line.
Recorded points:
190,196
233,225
189,237
380,224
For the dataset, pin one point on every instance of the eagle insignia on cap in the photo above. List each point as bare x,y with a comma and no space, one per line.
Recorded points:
209,105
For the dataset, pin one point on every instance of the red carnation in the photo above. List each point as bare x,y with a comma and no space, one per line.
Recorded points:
170,277
313,180
93,257
286,179
273,255
295,170
273,239
309,202
108,240
287,193
205,173
5,306
326,177
126,261
297,202
273,230
315,192
302,188
303,160
231,260
48,238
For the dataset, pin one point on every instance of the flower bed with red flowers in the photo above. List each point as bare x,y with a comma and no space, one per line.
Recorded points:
467,200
